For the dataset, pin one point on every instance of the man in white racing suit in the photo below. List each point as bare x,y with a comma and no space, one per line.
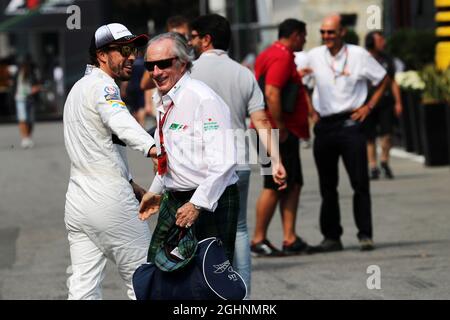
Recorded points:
101,211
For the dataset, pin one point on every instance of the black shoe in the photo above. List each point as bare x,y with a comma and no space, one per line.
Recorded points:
327,245
366,244
297,247
374,173
387,170
265,249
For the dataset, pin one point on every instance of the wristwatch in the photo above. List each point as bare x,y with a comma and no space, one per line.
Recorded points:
197,207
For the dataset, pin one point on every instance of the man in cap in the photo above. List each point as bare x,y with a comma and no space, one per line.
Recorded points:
101,211
196,150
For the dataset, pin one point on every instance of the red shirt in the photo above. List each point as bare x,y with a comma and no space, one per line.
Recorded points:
277,63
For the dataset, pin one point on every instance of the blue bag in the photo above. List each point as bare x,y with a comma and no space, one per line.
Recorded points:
208,276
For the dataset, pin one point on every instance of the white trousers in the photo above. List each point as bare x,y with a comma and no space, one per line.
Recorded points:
103,226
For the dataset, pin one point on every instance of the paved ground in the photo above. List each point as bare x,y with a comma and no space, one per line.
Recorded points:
411,223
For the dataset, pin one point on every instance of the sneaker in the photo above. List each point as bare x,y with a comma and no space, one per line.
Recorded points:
374,173
27,143
265,249
366,244
327,245
387,170
297,247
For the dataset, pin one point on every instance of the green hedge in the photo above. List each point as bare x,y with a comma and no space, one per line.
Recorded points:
415,48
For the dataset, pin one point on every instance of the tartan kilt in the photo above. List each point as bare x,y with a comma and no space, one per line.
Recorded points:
222,223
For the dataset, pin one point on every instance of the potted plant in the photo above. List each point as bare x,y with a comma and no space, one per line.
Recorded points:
411,86
433,117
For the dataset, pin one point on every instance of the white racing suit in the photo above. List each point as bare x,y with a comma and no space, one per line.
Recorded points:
101,211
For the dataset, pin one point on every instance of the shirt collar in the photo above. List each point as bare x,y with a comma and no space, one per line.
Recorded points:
214,52
173,93
283,47
340,54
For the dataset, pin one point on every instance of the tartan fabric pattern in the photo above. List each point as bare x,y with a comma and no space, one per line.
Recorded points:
186,245
221,223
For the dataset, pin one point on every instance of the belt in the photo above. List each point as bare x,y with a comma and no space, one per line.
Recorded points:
180,195
336,117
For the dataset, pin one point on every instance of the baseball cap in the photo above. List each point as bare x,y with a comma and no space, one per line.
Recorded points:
178,249
116,33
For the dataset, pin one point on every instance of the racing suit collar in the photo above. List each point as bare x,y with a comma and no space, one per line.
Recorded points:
93,70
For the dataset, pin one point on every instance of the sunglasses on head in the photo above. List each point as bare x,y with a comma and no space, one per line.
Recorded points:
327,32
125,51
161,64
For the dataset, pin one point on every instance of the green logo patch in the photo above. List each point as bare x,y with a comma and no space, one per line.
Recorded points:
211,125
177,127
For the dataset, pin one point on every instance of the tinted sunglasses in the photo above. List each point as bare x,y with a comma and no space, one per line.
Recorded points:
327,32
125,51
161,64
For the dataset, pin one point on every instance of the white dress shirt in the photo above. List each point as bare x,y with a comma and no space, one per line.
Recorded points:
199,143
341,81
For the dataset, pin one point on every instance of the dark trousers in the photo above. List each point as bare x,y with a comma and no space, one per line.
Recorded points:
338,136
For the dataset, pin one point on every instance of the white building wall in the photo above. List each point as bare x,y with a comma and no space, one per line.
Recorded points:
313,11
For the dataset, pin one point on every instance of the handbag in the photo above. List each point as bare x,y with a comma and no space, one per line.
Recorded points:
207,276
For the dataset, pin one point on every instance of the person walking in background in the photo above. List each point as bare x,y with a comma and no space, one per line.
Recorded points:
101,211
6,82
341,72
131,91
27,87
286,101
178,24
237,86
380,122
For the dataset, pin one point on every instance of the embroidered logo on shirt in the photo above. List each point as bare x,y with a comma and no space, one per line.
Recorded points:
210,125
177,127
112,93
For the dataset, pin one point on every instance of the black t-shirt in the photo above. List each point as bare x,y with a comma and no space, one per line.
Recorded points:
388,64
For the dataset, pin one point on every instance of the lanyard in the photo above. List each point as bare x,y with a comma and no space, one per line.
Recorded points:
162,157
331,65
161,125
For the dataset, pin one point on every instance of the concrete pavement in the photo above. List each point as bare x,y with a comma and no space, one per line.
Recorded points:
411,226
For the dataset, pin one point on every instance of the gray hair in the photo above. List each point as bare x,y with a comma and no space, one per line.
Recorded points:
181,48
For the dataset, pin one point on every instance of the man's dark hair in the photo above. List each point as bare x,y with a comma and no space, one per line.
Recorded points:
370,39
217,27
175,22
93,52
289,26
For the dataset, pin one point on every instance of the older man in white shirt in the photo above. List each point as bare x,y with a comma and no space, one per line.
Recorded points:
196,156
237,86
341,72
